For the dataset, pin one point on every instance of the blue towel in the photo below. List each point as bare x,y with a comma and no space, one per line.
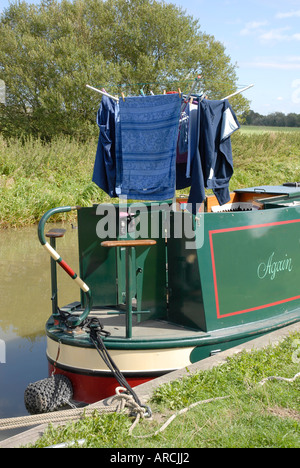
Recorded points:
104,174
148,135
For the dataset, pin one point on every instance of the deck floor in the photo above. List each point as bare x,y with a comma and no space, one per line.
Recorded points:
115,323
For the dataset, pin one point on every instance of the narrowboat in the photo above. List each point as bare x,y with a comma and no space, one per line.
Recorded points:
162,288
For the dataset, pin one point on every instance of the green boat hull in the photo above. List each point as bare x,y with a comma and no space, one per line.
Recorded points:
210,282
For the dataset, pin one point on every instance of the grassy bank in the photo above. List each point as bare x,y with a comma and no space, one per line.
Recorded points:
252,415
35,177
270,158
258,129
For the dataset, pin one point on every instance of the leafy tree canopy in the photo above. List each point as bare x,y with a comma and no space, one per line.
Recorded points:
49,52
275,119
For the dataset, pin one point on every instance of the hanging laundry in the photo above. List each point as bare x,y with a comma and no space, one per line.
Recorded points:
104,174
148,133
210,163
183,138
193,135
217,123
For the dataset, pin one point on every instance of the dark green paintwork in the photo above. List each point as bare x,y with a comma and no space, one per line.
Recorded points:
104,270
236,245
222,285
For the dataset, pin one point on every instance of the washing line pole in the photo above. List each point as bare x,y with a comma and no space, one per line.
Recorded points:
238,92
103,92
117,99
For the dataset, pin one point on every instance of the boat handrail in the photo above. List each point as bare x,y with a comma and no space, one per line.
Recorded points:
72,320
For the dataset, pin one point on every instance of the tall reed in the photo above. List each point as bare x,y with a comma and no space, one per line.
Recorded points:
37,176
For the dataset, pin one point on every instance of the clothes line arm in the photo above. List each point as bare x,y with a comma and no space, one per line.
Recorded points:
238,92
103,92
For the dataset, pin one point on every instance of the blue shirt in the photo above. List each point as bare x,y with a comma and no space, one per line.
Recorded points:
211,157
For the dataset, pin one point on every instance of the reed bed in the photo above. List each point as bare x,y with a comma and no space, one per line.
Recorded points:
36,176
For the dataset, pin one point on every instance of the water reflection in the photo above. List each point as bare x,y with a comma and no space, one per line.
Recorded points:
25,305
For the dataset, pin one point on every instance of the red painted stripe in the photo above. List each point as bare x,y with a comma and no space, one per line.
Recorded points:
214,272
261,307
241,228
67,269
255,226
90,389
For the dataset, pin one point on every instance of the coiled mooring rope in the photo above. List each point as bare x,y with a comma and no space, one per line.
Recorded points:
121,401
118,403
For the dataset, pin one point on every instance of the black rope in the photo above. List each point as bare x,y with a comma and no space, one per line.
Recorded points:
96,332
94,327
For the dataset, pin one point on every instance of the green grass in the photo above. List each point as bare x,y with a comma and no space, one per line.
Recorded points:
253,416
35,177
270,158
257,129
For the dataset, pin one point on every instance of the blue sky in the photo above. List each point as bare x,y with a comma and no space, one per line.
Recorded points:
262,37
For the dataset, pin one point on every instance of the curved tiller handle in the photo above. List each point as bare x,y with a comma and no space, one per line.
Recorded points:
72,321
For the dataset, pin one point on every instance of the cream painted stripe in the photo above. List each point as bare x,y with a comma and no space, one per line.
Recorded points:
81,284
143,360
56,257
51,251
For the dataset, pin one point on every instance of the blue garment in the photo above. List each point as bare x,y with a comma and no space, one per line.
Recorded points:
193,135
190,174
215,147
105,162
148,132
183,137
211,154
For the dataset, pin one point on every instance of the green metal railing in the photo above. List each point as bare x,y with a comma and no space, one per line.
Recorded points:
75,320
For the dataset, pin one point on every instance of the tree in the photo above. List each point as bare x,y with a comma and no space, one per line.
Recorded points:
276,119
48,53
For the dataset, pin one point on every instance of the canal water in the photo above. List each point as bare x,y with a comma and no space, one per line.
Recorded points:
25,305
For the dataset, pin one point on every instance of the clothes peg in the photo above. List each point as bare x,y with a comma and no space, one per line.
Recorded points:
179,92
123,97
165,92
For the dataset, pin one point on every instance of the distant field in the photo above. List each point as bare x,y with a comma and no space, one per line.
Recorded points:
261,129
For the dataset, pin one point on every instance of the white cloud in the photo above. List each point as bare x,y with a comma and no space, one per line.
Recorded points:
293,58
275,35
279,35
252,27
289,14
296,93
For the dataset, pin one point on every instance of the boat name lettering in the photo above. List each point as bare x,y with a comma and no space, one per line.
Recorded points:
273,267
